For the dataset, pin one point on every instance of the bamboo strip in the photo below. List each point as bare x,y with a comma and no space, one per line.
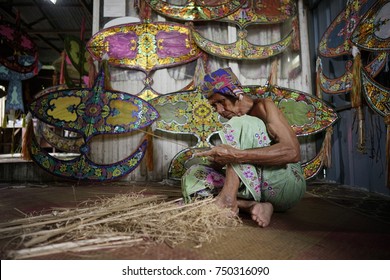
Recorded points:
135,217
68,246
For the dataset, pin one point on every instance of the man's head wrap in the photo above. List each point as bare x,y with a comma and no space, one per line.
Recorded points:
222,81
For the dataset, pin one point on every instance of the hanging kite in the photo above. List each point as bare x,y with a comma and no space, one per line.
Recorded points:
14,100
18,61
70,143
336,42
251,14
372,32
344,83
79,58
263,12
145,47
77,53
90,112
187,113
378,99
196,10
305,113
242,48
377,96
15,46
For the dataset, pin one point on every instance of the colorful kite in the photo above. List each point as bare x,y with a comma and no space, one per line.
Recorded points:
251,14
14,100
196,10
15,46
145,47
372,32
90,112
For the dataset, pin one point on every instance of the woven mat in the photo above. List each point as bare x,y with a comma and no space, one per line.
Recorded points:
374,205
314,229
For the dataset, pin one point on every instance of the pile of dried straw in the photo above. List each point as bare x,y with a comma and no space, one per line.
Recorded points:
122,220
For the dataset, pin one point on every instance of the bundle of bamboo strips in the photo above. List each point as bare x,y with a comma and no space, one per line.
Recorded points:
125,219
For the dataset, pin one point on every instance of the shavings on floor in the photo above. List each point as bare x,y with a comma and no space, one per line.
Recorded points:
122,220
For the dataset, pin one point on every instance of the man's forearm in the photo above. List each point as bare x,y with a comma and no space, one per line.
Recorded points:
275,155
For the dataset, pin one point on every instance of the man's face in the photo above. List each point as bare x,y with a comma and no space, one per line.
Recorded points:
225,106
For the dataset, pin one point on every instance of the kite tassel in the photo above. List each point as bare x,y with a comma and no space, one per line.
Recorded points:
5,121
387,122
318,81
27,136
326,148
273,77
106,70
296,42
62,74
144,10
91,72
356,100
361,132
357,85
149,149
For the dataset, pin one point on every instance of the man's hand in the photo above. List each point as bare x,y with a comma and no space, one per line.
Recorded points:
221,154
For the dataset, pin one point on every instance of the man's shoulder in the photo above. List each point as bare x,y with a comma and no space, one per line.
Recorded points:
267,102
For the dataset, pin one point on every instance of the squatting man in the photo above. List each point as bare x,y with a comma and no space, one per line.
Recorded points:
257,167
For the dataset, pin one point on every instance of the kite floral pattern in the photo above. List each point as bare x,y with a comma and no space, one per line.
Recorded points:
82,168
94,111
77,53
372,31
336,85
14,99
312,167
71,142
195,11
65,144
250,14
305,113
377,96
242,49
265,11
336,39
144,46
90,112
186,112
344,83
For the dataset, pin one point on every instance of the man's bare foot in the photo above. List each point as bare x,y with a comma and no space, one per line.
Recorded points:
261,212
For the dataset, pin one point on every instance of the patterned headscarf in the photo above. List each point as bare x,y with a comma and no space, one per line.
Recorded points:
222,81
